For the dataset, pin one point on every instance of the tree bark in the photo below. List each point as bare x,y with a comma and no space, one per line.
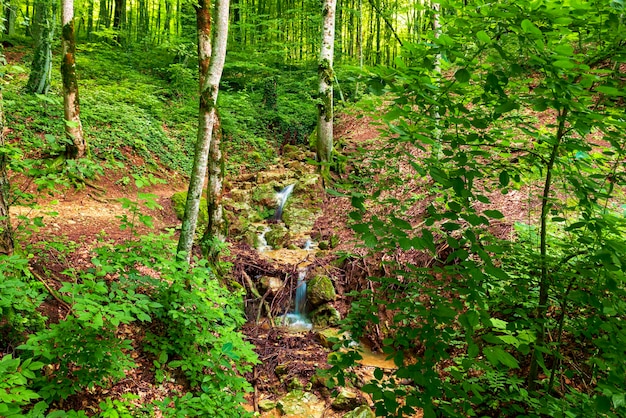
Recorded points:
210,75
43,31
324,146
6,233
77,147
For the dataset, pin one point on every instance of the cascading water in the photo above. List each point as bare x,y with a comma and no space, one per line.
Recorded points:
297,319
282,197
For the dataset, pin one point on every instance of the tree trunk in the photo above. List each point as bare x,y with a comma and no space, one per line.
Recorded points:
324,144
10,17
214,233
6,233
76,148
89,19
210,76
43,31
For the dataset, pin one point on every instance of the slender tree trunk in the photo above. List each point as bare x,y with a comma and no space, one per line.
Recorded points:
89,19
43,31
325,75
210,75
73,128
10,17
6,233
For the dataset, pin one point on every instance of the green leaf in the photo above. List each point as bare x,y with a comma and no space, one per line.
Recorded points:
482,36
564,64
495,214
496,355
504,179
462,75
530,28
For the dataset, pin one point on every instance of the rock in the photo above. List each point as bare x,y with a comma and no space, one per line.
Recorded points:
266,405
323,245
179,200
295,384
292,152
278,236
362,411
347,399
281,370
298,403
330,336
325,315
299,220
273,284
320,290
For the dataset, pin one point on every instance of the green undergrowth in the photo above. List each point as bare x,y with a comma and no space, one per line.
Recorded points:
183,320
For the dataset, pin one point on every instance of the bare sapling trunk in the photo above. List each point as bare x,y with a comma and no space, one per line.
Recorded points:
324,145
214,234
76,147
210,75
6,233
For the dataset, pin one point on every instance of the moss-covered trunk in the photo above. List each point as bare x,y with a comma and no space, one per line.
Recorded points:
6,233
76,147
43,32
324,145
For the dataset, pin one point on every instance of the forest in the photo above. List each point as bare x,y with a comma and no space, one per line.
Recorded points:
336,208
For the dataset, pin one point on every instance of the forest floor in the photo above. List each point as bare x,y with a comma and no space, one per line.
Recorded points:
91,215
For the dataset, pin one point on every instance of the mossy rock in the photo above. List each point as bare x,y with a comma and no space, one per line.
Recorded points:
347,399
278,236
320,290
299,220
292,152
362,411
179,200
325,316
298,403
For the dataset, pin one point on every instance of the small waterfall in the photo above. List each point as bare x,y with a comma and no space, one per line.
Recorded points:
297,320
262,242
281,198
300,294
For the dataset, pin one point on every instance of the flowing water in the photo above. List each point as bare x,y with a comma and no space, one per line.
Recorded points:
297,320
281,198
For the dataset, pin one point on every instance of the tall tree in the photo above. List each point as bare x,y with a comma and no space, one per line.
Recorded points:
43,32
324,146
210,68
6,233
77,147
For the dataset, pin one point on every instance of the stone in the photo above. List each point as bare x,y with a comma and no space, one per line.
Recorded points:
323,245
347,399
320,290
325,316
295,384
278,236
330,336
298,403
292,152
299,220
362,411
273,284
266,405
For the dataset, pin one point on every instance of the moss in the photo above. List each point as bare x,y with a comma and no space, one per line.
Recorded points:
320,290
180,199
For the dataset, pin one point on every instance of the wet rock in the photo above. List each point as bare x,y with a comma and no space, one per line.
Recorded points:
325,316
347,399
362,411
320,290
330,336
278,236
299,220
298,403
266,405
273,284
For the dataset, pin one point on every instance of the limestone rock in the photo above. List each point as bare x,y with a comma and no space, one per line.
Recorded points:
267,405
362,411
298,403
328,337
325,315
320,290
273,284
347,399
278,236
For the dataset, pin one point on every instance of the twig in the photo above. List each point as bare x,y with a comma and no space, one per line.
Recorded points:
53,292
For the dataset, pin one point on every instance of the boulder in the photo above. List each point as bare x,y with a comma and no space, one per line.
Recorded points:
278,236
298,403
325,316
347,400
330,336
266,405
362,411
320,290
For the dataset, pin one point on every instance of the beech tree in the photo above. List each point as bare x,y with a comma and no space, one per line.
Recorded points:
43,32
211,59
77,147
324,146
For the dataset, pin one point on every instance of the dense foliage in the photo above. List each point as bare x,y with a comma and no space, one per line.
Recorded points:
509,99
